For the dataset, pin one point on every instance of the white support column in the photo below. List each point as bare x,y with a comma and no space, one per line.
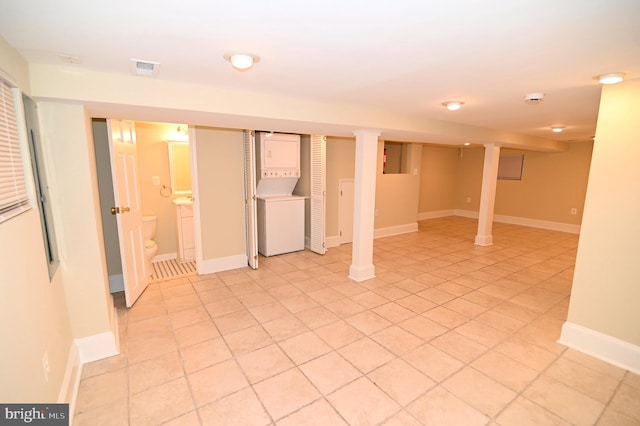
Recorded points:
364,205
488,194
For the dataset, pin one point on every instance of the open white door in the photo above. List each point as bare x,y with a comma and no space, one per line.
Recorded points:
318,193
128,211
250,201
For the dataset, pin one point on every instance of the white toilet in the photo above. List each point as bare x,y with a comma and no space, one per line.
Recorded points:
150,247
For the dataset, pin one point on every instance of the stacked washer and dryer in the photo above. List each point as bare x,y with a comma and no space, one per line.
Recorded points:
280,213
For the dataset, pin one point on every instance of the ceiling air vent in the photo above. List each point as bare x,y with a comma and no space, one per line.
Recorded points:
144,68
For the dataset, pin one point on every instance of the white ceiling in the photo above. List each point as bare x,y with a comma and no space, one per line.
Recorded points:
405,56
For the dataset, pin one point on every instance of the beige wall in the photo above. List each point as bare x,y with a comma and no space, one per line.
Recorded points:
606,287
33,310
341,159
438,178
552,184
153,160
469,179
66,134
220,172
397,194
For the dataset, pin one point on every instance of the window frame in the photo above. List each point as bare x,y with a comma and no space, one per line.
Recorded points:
13,159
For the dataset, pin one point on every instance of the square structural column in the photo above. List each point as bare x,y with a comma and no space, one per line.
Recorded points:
488,194
362,268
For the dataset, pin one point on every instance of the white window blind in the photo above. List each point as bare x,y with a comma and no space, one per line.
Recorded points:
13,192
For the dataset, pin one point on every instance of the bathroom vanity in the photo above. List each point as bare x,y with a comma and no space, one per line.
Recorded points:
185,231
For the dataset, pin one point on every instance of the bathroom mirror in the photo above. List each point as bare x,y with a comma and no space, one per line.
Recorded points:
180,167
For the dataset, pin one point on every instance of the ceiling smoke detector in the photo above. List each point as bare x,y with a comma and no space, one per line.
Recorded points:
533,98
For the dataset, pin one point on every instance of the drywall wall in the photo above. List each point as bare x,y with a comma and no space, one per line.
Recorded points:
552,184
66,134
33,309
438,179
606,290
397,194
220,173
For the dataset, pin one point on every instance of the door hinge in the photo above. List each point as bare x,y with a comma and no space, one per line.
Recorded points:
341,193
341,233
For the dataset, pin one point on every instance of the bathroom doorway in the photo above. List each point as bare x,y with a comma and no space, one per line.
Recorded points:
157,194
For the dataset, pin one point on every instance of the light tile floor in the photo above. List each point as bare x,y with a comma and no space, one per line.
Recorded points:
448,333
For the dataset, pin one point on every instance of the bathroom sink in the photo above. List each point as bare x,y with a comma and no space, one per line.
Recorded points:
183,201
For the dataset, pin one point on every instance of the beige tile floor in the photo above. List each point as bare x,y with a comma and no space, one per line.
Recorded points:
448,333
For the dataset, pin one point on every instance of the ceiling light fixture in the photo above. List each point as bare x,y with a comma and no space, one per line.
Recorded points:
467,143
453,105
557,129
178,135
242,61
611,78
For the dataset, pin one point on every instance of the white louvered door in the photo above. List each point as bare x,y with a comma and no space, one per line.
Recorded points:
250,201
318,193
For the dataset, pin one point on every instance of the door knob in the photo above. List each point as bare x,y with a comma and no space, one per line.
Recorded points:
115,210
125,209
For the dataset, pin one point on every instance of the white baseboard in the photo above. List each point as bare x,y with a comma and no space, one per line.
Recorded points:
466,213
363,273
435,214
395,230
602,346
333,241
116,283
98,346
523,221
163,257
71,381
210,266
535,223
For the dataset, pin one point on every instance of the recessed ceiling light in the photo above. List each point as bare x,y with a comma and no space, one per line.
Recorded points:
557,129
242,61
467,143
453,105
611,78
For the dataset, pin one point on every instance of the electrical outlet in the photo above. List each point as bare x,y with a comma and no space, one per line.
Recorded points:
574,211
468,200
155,180
45,365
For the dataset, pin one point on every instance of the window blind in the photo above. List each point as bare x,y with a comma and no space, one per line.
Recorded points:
13,192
